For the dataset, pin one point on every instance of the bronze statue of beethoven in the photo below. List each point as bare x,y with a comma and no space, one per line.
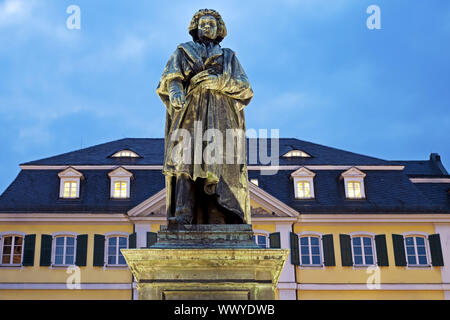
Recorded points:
203,87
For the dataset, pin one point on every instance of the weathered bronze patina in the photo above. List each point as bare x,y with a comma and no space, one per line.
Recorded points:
203,87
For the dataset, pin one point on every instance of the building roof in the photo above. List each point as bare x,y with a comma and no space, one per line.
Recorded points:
151,151
388,190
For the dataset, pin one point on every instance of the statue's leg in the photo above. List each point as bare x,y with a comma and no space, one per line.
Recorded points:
185,200
215,213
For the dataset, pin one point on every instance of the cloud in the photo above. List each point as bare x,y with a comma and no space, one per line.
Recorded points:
22,20
13,12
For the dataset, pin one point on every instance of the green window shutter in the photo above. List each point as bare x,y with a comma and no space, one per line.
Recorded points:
28,250
132,241
436,250
82,242
399,250
346,250
99,250
275,240
328,250
152,237
295,253
381,247
46,250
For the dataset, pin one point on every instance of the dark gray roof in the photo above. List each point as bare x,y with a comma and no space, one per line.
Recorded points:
152,150
388,191
38,191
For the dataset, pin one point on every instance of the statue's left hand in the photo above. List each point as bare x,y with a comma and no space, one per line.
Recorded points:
206,80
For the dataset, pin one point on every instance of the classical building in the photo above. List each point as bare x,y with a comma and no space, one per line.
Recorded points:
358,227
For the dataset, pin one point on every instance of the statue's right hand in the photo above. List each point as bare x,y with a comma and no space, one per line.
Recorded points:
178,100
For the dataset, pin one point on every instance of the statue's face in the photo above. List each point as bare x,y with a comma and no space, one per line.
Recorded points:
207,27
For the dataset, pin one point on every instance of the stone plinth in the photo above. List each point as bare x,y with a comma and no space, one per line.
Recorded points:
204,236
203,262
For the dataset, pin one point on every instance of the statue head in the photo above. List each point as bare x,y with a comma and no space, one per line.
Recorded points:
207,23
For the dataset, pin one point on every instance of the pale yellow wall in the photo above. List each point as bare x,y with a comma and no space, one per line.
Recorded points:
390,274
269,227
37,274
370,295
155,227
66,294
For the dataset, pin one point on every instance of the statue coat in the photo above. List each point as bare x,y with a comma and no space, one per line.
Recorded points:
219,109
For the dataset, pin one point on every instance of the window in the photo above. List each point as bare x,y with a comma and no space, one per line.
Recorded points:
64,250
70,189
296,154
354,184
120,189
303,183
125,154
303,190
114,244
254,181
69,183
261,240
310,253
363,251
354,189
11,249
416,250
120,183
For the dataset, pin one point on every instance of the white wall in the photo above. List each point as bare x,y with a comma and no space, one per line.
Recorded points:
444,231
286,285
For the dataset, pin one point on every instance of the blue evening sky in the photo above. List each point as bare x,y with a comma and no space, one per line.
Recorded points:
317,72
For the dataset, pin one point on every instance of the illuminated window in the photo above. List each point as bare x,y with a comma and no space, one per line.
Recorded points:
120,183
114,244
310,250
296,154
354,183
11,249
120,189
416,250
303,190
70,189
354,190
261,240
125,154
303,183
70,183
64,250
363,251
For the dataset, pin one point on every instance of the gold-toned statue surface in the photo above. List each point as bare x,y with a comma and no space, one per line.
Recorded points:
205,90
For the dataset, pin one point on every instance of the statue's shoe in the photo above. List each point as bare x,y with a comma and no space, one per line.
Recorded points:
183,218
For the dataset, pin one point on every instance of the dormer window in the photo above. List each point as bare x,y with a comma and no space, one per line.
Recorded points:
354,184
70,189
125,154
120,189
303,189
296,154
303,183
69,183
120,183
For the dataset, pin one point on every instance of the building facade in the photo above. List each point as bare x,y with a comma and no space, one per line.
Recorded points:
357,227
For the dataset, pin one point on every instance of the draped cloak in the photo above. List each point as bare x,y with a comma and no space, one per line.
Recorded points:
219,109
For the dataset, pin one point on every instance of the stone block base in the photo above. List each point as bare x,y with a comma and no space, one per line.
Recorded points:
204,274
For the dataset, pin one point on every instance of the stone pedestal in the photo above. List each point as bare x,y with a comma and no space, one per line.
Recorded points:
202,262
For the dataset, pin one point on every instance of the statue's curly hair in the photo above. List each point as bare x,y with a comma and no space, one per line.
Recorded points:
221,29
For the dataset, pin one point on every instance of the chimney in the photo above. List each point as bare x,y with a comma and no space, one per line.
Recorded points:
436,159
